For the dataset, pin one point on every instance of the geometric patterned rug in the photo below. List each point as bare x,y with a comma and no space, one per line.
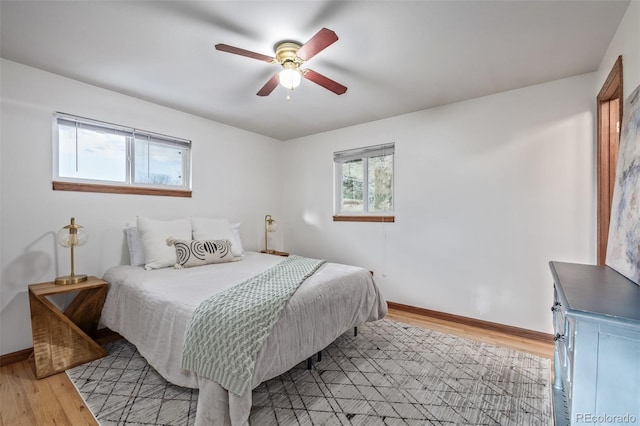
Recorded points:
390,374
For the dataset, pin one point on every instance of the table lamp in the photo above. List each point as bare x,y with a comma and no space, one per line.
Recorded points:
71,236
269,226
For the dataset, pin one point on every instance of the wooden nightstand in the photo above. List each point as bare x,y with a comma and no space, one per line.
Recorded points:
61,340
276,253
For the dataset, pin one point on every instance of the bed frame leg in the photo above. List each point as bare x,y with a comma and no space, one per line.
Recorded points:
310,359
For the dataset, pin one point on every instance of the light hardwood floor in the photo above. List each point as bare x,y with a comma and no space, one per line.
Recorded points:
54,400
26,401
536,347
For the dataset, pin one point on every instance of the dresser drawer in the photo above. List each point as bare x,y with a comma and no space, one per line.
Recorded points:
567,344
558,313
564,341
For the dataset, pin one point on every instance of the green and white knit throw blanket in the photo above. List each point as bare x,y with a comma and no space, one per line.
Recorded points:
228,329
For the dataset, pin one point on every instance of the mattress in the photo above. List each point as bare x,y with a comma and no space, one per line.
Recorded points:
152,310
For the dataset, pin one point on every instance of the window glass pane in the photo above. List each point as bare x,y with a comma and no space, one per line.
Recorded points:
90,151
159,164
352,177
380,195
100,155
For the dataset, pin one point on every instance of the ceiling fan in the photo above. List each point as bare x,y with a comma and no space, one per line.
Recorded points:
291,56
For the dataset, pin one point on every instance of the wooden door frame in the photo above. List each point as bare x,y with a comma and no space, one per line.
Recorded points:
609,108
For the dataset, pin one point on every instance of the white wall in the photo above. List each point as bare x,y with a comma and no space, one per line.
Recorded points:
235,175
626,42
487,191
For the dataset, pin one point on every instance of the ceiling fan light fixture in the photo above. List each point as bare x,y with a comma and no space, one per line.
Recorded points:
290,78
292,56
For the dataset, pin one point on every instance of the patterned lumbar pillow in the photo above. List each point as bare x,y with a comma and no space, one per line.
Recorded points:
191,253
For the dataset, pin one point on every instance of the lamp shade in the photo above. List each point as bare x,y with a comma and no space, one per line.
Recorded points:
271,225
72,235
290,78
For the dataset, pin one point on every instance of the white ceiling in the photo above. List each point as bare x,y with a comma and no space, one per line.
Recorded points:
394,56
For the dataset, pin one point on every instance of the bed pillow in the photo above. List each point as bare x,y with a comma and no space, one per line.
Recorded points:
154,234
236,242
190,253
205,228
136,251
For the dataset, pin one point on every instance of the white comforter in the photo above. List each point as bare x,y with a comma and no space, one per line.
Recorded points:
152,309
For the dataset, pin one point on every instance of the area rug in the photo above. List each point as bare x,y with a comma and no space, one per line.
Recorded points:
389,374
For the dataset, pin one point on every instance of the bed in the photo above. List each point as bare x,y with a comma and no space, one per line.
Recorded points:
152,310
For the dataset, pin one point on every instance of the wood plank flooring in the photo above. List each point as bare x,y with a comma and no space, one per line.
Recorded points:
55,401
50,401
497,338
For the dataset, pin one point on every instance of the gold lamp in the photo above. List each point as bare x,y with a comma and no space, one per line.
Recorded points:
71,236
269,226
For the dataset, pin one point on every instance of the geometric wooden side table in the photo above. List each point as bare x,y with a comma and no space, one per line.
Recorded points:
276,253
62,340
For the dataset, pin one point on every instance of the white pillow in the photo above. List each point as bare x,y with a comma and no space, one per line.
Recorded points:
237,242
136,250
154,234
205,228
190,253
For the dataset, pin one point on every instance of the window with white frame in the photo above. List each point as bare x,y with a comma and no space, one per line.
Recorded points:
364,181
94,152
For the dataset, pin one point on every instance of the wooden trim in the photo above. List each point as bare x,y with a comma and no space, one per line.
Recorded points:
337,218
609,110
102,336
119,189
611,87
487,325
14,357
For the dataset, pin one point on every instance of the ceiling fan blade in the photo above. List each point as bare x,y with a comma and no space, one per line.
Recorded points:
323,39
325,82
271,84
243,52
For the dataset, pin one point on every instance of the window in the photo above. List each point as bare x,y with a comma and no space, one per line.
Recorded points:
364,184
92,155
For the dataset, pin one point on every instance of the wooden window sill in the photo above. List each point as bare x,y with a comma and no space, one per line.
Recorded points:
117,189
338,218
